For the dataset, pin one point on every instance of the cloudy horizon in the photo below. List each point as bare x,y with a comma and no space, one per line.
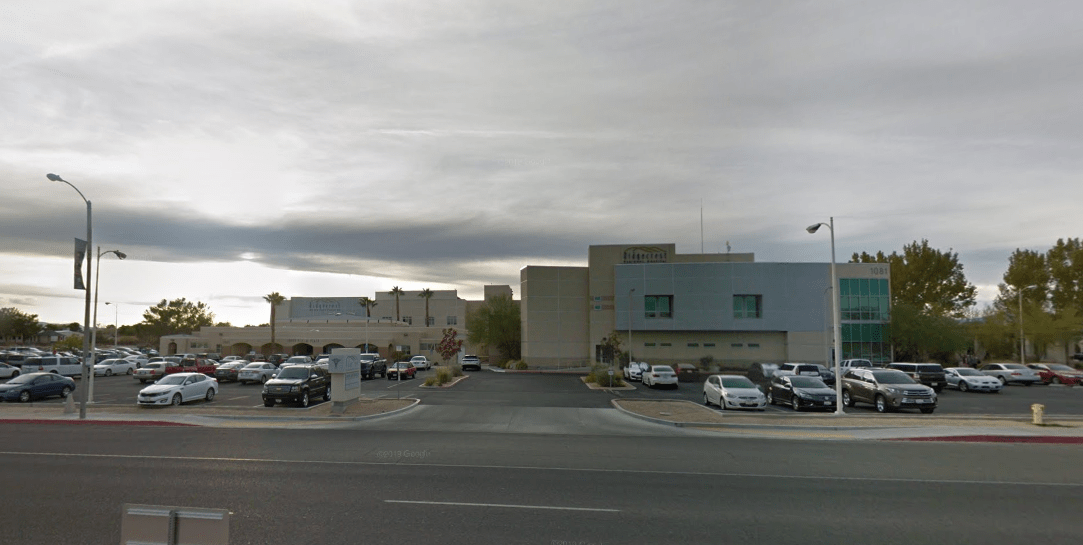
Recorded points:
342,148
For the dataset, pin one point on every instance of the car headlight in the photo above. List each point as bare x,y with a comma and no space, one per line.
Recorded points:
295,388
895,390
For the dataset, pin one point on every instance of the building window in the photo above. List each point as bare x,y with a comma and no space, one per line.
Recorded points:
431,320
708,345
736,345
693,345
427,347
864,299
452,320
753,345
658,306
388,318
408,319
666,344
747,306
648,344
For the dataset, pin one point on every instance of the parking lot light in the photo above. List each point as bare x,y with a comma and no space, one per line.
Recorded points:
834,315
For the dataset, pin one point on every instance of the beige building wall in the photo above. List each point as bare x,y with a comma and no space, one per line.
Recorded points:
555,310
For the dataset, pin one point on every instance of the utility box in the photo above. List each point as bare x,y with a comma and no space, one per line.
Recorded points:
164,525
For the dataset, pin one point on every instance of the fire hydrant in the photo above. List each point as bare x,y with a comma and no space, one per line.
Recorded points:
1038,411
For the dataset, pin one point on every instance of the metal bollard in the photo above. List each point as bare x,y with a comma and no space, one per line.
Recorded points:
1037,410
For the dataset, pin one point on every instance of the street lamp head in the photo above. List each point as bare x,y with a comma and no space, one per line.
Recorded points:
813,228
54,177
120,254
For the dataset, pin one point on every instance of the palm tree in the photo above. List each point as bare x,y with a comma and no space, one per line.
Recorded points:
275,299
427,294
368,304
396,291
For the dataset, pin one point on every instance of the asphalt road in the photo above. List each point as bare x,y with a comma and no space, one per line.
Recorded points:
67,482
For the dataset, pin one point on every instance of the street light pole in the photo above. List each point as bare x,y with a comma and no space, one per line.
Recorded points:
835,315
116,323
94,332
86,287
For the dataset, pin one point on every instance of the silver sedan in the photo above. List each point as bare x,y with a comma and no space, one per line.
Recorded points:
260,372
966,379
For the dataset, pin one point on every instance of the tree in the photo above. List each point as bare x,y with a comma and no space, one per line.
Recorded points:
926,279
15,323
71,343
1049,288
427,294
275,299
178,316
449,345
75,326
917,336
368,304
497,324
611,347
396,291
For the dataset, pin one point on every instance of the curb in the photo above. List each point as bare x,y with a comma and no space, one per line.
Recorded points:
596,387
448,385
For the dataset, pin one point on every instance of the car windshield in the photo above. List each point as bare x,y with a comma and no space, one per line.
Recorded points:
807,382
969,373
172,379
297,359
1016,366
892,377
401,365
930,369
1059,367
254,366
293,373
737,382
661,369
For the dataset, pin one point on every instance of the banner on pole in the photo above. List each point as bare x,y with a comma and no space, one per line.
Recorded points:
80,252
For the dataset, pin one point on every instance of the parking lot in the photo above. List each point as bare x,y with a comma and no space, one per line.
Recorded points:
487,388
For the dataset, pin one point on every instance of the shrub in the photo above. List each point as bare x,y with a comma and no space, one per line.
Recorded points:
599,375
431,381
456,370
521,365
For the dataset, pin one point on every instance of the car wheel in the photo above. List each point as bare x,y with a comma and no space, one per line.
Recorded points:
928,410
269,403
176,399
263,379
881,404
24,396
15,374
65,392
962,386
795,404
108,372
130,371
327,394
706,401
210,394
1003,380
304,399
770,398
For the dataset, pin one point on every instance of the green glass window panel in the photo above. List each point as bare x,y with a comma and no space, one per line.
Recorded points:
847,332
855,287
844,286
874,287
884,306
883,287
864,283
649,304
866,332
877,333
663,306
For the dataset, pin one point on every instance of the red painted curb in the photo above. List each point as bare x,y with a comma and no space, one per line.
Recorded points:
94,422
1048,439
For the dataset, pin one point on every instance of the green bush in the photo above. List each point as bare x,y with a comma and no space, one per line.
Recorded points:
521,365
443,376
431,381
599,375
456,370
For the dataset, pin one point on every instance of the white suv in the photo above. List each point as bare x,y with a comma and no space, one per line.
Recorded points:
471,361
421,362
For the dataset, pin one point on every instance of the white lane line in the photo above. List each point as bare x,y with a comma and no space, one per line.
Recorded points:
538,468
550,507
236,398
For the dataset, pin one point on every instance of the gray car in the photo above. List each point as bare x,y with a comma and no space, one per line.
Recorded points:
1011,373
887,390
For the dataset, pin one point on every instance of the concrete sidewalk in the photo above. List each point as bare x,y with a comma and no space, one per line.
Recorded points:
686,414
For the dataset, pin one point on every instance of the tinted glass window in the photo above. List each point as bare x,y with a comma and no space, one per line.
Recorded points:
890,377
930,369
737,382
807,382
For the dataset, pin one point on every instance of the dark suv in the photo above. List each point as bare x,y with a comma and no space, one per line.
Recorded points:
887,390
373,365
929,374
297,384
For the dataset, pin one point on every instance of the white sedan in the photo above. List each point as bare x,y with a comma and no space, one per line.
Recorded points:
138,359
8,371
733,392
634,370
179,388
967,379
659,375
108,368
421,362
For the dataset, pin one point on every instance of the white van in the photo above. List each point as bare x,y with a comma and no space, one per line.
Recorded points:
61,365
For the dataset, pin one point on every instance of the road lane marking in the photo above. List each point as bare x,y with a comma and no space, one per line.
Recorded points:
238,397
460,504
537,468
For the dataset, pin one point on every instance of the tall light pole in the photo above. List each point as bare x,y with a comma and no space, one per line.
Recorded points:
630,325
94,332
116,323
835,315
1022,340
86,310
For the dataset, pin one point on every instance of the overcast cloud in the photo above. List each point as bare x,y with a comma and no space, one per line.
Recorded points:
339,148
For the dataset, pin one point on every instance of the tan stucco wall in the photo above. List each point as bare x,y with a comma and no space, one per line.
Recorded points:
554,314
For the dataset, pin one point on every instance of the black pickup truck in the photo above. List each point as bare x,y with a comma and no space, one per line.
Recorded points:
372,365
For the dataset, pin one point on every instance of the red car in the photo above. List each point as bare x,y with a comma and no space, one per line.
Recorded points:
1057,373
406,368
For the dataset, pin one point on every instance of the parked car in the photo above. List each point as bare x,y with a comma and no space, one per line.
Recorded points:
929,374
801,392
798,369
634,370
297,384
260,371
232,358
887,390
733,392
296,360
8,371
967,379
138,359
762,372
114,366
404,368
472,362
421,362
277,358
60,365
179,388
1011,373
372,365
230,370
660,375
150,372
826,374
33,386
1057,373
686,372
855,363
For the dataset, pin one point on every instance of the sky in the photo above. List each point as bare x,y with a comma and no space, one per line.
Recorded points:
339,148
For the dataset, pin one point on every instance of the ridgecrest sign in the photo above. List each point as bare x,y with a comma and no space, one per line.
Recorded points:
645,254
